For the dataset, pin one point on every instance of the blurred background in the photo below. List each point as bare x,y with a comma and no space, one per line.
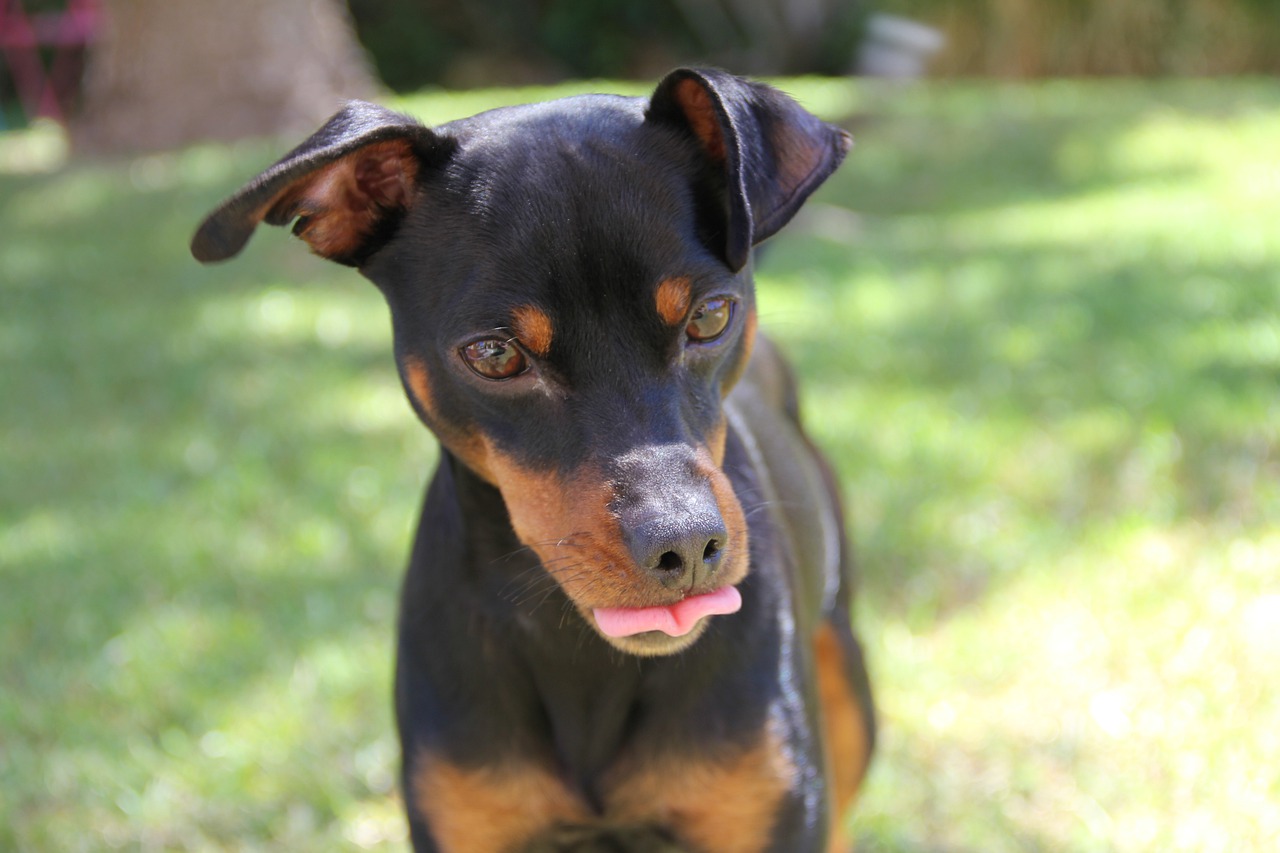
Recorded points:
1037,316
154,74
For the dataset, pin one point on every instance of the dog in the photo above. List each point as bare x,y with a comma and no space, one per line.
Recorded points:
625,623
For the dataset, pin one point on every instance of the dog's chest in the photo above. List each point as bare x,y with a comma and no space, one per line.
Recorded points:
728,799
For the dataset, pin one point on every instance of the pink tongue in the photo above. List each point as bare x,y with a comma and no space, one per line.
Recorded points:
675,619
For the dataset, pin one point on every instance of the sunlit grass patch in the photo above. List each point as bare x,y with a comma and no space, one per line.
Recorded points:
1105,699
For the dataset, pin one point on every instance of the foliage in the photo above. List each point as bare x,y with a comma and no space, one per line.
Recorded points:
414,43
420,42
1038,330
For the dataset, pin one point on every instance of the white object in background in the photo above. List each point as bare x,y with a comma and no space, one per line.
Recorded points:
897,47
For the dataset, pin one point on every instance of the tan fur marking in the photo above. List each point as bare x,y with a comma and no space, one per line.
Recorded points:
735,372
491,809
700,111
415,374
673,299
533,327
566,520
471,448
844,727
750,326
737,556
726,806
716,440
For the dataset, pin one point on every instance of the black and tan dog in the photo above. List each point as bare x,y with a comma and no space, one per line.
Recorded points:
625,622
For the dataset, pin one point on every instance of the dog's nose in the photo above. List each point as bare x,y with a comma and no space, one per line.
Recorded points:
680,552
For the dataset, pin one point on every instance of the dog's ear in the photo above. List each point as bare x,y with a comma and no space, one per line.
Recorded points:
773,152
348,186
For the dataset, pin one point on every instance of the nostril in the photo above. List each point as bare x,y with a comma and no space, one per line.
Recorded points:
670,563
678,553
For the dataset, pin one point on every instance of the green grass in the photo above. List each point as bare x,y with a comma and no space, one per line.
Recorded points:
1039,328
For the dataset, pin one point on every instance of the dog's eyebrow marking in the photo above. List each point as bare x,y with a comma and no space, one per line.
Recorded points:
673,299
533,327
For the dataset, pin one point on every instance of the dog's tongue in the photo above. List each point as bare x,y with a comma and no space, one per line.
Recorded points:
676,619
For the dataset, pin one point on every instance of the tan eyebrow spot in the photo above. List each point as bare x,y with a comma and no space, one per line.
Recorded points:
673,299
533,327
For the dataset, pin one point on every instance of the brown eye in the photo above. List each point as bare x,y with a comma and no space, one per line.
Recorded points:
494,358
709,320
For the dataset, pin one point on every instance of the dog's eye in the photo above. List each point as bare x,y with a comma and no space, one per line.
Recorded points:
494,358
709,320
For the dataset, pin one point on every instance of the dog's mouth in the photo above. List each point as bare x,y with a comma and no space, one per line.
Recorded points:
674,620
662,629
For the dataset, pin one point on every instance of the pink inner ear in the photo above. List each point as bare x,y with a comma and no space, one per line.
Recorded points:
382,179
342,202
700,111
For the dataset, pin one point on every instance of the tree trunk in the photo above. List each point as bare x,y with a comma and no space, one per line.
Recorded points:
169,72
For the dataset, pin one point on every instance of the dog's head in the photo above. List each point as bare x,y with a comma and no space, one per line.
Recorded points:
571,298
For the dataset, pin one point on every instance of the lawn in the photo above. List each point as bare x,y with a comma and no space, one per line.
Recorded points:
1039,327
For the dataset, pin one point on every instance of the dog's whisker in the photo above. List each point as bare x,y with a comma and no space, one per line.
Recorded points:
535,585
549,591
562,542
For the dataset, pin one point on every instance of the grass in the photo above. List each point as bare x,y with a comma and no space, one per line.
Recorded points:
1040,332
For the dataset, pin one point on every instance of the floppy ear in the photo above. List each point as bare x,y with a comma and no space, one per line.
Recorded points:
772,152
348,186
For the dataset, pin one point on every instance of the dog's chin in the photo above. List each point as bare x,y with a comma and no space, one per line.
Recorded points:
653,644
